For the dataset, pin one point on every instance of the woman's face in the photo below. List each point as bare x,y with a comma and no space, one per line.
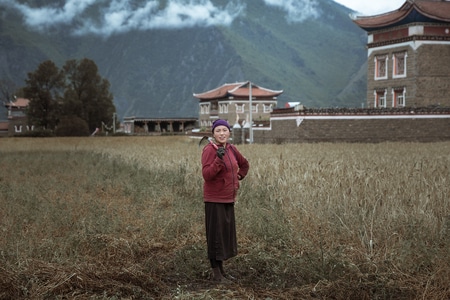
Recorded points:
221,134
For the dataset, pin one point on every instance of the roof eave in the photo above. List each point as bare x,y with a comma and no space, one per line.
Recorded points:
406,8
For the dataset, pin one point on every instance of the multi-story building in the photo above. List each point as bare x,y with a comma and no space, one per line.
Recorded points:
231,102
409,55
17,118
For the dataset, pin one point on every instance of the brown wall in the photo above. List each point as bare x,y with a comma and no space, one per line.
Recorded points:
371,130
433,75
18,121
408,82
428,76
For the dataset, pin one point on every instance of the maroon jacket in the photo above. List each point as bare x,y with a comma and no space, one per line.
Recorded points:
221,176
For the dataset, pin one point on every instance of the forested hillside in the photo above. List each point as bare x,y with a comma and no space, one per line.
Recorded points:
310,49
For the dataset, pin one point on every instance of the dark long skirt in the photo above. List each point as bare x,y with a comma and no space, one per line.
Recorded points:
220,231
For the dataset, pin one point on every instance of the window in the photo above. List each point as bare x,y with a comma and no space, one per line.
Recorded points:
267,108
398,99
204,109
399,65
223,108
380,98
381,67
240,108
254,108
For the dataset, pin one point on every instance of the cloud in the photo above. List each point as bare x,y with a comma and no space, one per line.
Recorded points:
109,17
297,10
118,16
51,15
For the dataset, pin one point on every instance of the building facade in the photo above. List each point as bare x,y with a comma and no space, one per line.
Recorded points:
409,55
157,126
17,119
231,102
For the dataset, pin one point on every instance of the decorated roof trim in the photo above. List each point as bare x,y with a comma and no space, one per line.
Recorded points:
239,89
218,92
432,10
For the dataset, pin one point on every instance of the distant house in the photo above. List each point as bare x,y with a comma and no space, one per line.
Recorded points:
409,55
3,128
17,118
231,102
157,126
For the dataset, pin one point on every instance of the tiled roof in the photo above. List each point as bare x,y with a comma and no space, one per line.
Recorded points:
19,103
238,89
411,11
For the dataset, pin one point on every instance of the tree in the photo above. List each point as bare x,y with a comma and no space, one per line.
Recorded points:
72,126
43,89
87,94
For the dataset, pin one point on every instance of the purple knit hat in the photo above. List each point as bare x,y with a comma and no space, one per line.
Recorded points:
220,122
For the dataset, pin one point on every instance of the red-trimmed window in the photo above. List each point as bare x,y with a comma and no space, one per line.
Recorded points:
399,65
380,98
381,63
398,99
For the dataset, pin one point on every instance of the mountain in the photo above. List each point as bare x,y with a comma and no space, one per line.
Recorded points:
309,48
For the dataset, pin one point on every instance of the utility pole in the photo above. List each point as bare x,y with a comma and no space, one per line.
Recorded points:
114,122
250,108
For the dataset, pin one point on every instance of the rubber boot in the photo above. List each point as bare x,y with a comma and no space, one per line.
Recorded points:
227,276
218,277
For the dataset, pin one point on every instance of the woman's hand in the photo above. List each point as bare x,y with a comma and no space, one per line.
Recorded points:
220,152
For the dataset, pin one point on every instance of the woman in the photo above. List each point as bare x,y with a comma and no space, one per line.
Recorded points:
223,166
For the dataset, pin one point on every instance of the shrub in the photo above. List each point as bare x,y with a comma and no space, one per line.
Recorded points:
72,126
36,133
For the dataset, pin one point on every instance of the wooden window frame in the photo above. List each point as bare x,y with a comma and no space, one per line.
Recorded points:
399,60
380,72
380,99
398,97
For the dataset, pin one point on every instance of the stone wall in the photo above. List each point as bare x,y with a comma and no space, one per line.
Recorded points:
433,75
367,129
428,75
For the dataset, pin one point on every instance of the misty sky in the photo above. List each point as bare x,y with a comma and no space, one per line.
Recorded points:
371,7
119,16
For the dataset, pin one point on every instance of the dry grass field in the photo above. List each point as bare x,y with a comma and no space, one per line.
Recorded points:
122,218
